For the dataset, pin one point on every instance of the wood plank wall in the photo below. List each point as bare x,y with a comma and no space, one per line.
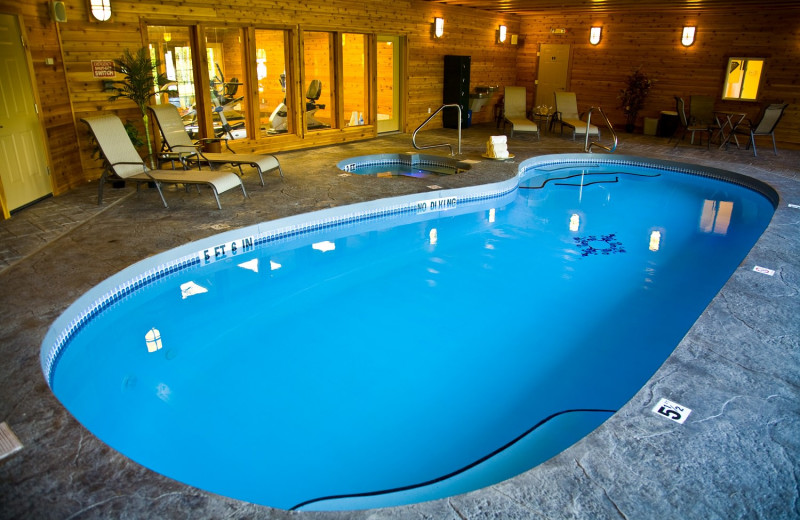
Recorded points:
650,40
73,93
630,39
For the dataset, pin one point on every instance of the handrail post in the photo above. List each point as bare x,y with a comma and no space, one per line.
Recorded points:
414,135
587,147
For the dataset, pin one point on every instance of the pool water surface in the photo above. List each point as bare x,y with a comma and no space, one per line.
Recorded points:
407,355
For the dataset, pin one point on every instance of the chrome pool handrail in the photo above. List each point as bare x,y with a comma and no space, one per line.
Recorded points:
587,147
414,135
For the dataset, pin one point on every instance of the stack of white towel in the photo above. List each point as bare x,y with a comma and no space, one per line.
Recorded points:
497,147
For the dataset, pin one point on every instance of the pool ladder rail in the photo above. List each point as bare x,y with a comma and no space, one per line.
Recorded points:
414,135
587,147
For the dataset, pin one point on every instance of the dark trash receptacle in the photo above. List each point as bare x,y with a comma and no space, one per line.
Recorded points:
667,124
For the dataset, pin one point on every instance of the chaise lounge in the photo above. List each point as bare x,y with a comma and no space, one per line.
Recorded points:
177,141
566,105
121,160
514,112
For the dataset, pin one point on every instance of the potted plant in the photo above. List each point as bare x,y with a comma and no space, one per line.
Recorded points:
633,95
141,82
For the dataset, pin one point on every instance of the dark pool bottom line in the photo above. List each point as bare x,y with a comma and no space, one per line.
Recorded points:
456,472
586,174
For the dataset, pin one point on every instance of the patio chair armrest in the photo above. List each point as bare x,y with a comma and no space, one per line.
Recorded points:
142,164
216,140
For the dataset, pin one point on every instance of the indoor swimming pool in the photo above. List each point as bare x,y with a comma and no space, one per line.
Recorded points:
404,349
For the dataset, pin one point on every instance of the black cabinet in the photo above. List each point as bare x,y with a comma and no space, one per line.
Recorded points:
456,90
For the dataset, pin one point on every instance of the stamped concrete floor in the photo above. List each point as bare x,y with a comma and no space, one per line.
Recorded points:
738,368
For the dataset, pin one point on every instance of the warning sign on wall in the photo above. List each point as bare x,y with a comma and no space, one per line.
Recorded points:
103,69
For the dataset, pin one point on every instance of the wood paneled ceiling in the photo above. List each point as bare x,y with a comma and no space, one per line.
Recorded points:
527,7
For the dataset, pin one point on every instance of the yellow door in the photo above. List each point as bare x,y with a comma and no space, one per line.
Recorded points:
24,175
553,72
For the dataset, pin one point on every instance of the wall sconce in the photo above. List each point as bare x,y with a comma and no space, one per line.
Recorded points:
687,38
100,9
501,34
438,27
167,37
594,35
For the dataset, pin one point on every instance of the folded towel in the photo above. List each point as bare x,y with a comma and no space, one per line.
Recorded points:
496,150
497,139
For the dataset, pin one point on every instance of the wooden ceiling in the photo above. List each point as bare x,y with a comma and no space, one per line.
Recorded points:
526,7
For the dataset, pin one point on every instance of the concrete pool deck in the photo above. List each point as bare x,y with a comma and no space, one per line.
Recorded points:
736,456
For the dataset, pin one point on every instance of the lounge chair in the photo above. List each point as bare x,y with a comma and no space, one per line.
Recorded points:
765,126
121,160
175,140
566,106
701,111
514,112
685,126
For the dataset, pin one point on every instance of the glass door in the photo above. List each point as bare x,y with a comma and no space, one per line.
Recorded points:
389,86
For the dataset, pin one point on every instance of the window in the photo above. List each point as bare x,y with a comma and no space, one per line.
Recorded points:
742,78
318,70
170,47
273,113
355,86
226,79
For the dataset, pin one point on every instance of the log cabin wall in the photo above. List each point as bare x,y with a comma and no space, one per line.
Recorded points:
650,40
62,55
72,92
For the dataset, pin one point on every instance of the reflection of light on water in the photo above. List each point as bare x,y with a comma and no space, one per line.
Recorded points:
433,237
274,266
574,222
252,265
153,340
655,240
491,215
325,246
716,216
163,392
191,289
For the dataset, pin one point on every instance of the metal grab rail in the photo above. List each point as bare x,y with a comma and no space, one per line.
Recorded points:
414,135
587,147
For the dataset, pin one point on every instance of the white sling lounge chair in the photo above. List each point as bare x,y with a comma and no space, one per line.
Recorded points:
176,140
567,114
122,160
514,100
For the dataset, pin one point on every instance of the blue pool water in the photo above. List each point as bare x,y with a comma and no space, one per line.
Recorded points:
407,349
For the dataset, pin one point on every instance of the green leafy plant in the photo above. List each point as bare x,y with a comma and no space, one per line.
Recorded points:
141,82
632,97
